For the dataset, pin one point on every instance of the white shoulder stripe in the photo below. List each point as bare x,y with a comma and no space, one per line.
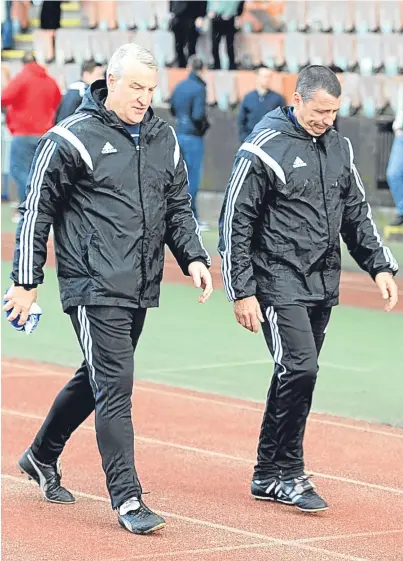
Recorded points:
278,170
26,258
74,141
237,180
386,251
350,147
73,119
177,149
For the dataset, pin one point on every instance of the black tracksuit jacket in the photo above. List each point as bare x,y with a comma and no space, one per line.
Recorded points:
289,198
113,207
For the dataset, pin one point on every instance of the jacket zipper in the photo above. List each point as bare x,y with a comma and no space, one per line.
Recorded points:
143,253
138,151
316,148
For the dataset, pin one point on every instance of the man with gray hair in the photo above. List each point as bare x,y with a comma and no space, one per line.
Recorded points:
112,181
293,190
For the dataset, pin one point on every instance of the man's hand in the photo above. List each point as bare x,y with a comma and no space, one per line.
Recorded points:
201,279
248,313
388,289
19,301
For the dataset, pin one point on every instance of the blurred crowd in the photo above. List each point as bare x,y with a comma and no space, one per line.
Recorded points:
34,87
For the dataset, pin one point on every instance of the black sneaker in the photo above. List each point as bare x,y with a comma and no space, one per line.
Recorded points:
302,493
269,490
47,477
136,517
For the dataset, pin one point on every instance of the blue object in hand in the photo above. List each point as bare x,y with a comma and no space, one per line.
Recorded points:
30,325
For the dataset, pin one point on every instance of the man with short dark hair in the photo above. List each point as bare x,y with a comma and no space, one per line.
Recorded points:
293,190
257,103
188,106
91,71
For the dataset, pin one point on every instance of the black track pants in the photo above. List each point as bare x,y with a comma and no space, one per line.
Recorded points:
294,335
108,337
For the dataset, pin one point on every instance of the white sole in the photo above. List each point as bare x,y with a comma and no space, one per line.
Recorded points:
30,478
313,510
272,500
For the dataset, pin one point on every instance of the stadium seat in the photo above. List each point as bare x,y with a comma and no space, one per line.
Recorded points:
318,15
391,91
265,14
245,82
144,14
57,72
164,47
296,51
119,37
295,15
341,15
71,73
320,48
125,14
101,13
225,89
288,85
100,45
203,46
144,38
161,8
366,15
175,75
390,16
392,53
39,41
14,67
272,49
209,79
73,45
372,95
344,51
369,53
350,100
248,50
162,93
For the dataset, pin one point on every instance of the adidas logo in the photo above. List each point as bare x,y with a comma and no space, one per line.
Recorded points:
298,163
108,149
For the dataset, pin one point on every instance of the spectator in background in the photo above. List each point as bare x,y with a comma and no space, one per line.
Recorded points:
5,139
50,21
6,26
188,105
31,99
257,103
224,23
186,19
90,72
394,173
20,13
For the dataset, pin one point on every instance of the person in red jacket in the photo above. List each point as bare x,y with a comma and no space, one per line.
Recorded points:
31,98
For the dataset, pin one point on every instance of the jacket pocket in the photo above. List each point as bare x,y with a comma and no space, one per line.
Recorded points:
90,254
